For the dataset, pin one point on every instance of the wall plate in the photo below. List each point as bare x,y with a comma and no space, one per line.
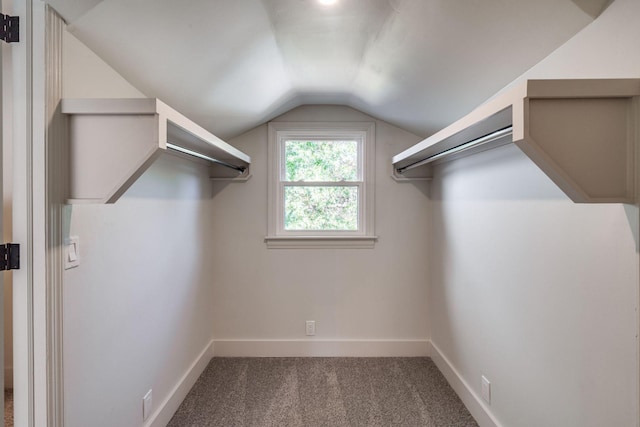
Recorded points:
72,252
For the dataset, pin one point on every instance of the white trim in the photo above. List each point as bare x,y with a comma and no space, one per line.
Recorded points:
55,186
42,410
321,348
320,242
474,403
28,335
277,237
169,406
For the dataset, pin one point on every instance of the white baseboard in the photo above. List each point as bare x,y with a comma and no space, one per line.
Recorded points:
8,377
474,403
321,348
169,406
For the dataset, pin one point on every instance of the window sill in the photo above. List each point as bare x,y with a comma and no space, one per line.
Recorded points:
320,242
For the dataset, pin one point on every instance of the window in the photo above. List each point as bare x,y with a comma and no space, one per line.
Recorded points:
321,184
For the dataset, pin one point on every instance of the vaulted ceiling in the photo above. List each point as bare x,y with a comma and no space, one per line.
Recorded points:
233,64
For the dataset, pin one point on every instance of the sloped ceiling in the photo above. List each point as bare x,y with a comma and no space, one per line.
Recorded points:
233,64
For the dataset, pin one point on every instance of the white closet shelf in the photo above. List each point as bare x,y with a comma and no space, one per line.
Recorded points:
581,133
113,141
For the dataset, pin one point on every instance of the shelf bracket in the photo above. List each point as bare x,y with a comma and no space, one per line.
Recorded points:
581,133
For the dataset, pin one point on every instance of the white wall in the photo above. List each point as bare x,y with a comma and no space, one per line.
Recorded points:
533,291
137,311
376,295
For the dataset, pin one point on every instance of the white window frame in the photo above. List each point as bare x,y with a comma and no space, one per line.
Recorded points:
364,133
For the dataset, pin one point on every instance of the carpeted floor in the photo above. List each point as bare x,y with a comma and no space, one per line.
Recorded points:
313,392
8,408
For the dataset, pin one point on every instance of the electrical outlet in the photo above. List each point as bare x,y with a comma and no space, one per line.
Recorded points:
486,389
147,405
311,327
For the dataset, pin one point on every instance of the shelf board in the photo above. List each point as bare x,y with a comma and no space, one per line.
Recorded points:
113,141
581,133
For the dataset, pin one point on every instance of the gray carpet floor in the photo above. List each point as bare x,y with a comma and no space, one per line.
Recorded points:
322,392
8,408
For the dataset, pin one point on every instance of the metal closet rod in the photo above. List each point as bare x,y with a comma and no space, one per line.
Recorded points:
202,156
459,148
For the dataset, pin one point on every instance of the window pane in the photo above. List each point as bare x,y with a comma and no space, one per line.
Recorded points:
321,160
321,208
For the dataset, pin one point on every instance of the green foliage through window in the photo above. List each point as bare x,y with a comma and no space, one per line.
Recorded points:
321,161
312,208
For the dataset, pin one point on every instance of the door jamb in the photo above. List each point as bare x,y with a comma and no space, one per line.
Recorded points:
38,214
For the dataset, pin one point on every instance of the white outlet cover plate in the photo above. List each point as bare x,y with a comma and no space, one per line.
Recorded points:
486,389
147,405
311,327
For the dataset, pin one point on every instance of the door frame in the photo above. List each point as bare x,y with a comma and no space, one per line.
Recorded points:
38,207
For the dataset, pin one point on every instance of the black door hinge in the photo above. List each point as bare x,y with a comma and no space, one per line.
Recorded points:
9,28
10,256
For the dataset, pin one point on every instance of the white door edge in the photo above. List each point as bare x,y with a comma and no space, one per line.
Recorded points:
37,355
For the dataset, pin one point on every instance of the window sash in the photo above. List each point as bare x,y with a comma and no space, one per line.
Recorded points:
333,136
282,211
282,166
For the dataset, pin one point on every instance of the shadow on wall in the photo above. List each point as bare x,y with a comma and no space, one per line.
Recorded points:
633,217
169,178
423,186
593,8
173,178
480,171
482,168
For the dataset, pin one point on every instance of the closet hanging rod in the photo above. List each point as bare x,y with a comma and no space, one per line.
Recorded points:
460,148
202,156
